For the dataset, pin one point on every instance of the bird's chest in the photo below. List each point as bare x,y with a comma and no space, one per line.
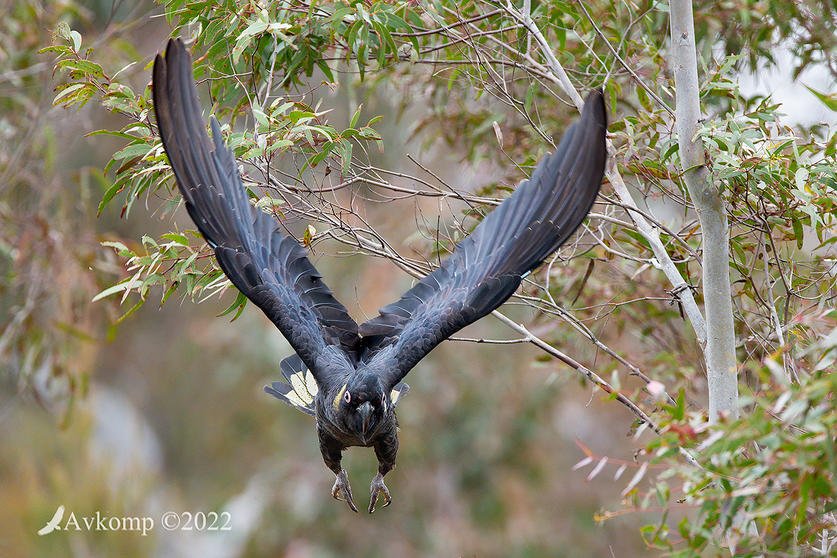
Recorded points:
328,421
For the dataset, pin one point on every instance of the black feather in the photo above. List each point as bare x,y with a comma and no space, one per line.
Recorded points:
272,270
486,267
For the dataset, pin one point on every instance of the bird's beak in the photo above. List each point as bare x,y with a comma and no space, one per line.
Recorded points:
365,411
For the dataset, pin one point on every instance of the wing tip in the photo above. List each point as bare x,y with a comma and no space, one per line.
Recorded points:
175,51
594,107
175,45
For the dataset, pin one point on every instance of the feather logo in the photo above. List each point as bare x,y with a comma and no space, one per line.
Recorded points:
52,524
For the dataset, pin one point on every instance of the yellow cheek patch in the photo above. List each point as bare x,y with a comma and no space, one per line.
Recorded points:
339,396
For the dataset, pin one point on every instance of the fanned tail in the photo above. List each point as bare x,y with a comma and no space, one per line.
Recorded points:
299,390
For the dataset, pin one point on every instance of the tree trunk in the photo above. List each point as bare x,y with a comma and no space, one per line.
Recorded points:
720,335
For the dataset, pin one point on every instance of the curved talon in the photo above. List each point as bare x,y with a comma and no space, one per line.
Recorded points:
378,487
342,488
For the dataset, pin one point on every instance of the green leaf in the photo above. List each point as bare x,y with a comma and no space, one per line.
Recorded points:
828,100
278,144
86,67
255,28
130,311
61,49
353,122
801,178
679,409
133,150
176,238
239,303
296,115
75,36
259,115
111,133
170,291
323,65
66,92
121,248
118,288
114,189
797,232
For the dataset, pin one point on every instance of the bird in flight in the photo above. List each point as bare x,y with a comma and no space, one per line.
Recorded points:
349,376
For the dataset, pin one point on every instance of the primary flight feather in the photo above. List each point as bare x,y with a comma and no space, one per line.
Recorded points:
348,376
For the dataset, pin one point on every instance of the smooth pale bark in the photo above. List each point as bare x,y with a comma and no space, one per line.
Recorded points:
721,365
662,261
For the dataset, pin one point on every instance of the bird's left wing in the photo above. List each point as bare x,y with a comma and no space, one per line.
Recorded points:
487,267
270,269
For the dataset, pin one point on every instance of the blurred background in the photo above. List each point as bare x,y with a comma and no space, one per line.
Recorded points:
164,410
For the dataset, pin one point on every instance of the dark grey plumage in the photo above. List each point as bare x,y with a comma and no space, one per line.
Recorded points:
349,376
299,388
487,266
271,269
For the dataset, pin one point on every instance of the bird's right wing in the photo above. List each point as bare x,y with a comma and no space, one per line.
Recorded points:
270,269
487,267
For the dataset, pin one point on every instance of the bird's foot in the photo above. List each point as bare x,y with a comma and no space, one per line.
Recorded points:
378,487
342,491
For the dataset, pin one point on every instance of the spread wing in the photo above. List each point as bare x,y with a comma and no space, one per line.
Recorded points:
271,269
487,267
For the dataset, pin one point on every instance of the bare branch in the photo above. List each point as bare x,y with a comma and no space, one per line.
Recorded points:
664,262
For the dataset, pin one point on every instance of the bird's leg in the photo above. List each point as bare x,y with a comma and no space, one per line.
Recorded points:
342,490
332,452
385,449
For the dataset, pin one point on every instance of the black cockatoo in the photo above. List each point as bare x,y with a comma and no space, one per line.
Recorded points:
349,376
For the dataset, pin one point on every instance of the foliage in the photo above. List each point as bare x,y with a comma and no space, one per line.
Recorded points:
44,234
767,485
808,29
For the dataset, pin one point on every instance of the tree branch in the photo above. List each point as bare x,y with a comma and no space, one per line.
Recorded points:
721,368
664,262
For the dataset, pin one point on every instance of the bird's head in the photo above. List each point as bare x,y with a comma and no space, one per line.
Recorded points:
363,403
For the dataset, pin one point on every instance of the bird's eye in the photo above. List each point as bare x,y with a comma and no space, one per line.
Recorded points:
347,397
